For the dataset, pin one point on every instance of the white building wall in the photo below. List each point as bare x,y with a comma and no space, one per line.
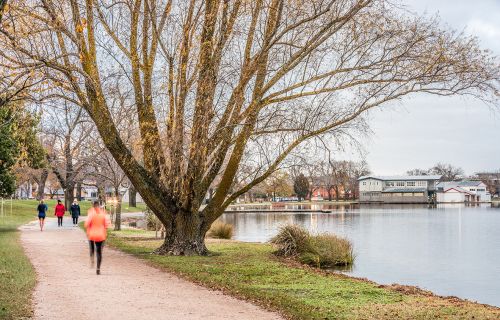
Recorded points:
451,196
371,185
125,197
479,190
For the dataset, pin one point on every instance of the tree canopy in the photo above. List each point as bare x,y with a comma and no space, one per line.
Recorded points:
216,84
18,145
301,186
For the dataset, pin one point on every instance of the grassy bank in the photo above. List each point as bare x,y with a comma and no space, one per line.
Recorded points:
252,272
17,277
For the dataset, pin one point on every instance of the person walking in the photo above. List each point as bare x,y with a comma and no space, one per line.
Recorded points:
42,211
59,212
96,224
75,212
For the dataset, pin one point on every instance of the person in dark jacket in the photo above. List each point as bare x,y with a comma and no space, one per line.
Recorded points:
75,212
42,210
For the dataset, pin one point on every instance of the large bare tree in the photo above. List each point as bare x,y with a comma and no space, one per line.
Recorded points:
214,79
104,167
69,132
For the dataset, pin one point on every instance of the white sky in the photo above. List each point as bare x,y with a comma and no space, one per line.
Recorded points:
426,129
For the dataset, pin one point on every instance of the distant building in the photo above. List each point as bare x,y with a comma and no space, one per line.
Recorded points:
398,189
492,181
320,193
462,191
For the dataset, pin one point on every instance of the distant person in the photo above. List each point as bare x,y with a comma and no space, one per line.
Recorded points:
96,225
59,212
42,211
75,212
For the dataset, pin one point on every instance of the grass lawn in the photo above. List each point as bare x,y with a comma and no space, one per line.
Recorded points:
17,277
84,206
251,271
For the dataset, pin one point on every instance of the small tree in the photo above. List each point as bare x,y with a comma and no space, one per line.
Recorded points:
301,186
448,171
18,145
417,172
8,154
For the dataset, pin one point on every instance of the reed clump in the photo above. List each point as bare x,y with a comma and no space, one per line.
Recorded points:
322,251
221,230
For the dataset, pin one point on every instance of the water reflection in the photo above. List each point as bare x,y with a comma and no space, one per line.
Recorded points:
449,249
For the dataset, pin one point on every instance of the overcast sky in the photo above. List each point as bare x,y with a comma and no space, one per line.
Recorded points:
426,129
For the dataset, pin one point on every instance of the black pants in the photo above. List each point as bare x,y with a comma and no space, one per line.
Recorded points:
96,246
75,220
59,221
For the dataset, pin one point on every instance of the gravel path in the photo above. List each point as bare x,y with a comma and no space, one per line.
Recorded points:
127,288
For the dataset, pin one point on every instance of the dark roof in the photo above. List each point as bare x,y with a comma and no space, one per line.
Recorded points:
469,183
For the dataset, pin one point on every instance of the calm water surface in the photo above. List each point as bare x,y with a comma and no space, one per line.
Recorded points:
450,249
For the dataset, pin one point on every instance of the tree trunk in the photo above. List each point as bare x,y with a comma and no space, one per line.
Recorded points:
185,236
132,197
101,193
69,194
79,191
41,184
336,193
118,215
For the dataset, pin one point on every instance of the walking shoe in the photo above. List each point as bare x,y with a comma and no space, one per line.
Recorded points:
98,271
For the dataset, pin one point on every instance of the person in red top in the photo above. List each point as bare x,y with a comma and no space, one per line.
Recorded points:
60,209
96,224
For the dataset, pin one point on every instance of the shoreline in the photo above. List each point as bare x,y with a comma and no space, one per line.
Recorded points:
232,258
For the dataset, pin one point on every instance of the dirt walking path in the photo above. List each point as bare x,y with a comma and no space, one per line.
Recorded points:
127,288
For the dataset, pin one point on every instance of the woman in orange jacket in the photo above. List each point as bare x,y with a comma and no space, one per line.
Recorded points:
96,224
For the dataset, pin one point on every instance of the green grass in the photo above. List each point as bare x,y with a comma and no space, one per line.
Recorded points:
17,277
251,271
84,206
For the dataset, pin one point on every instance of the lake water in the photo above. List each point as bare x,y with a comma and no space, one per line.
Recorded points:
448,249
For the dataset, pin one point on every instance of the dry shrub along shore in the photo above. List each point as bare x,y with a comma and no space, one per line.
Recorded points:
322,251
254,272
221,230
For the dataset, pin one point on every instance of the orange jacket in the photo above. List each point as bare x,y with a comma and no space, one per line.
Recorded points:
96,224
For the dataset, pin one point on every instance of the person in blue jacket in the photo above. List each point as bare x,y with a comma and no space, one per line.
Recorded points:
75,212
42,211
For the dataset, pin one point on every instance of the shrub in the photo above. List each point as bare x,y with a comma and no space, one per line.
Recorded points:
323,251
221,230
291,240
329,251
152,221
